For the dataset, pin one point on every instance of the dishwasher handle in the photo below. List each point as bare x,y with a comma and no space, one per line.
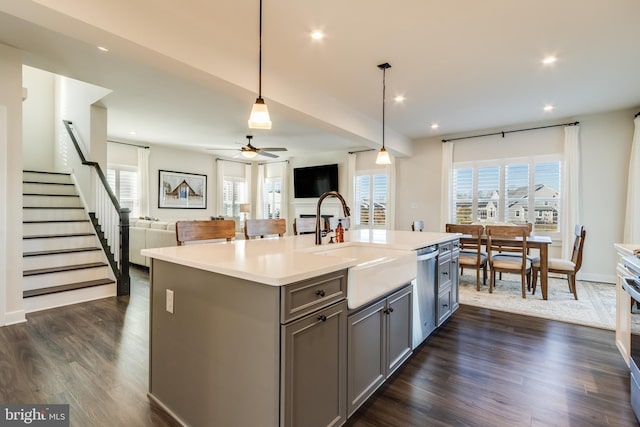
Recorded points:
429,255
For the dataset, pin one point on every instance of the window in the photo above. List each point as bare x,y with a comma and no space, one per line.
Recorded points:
371,191
508,190
124,184
234,192
272,197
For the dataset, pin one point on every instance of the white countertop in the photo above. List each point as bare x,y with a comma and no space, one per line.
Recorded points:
280,261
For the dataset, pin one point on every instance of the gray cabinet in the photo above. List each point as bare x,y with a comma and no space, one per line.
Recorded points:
448,294
313,361
380,340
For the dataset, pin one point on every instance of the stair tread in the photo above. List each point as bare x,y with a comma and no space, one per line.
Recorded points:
53,207
50,195
67,287
62,269
54,220
46,172
51,236
61,251
47,182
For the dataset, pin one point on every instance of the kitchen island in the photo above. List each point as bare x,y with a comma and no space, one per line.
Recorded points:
255,332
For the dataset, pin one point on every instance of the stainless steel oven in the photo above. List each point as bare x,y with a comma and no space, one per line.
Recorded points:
631,284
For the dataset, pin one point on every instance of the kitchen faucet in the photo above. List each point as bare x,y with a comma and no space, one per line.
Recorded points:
345,210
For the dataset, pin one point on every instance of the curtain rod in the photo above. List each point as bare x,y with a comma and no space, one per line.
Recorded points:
128,143
510,131
277,161
232,161
362,151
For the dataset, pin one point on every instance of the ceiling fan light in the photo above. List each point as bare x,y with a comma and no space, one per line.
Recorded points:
249,154
259,118
383,157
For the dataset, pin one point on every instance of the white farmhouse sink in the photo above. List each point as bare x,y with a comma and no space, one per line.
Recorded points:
379,270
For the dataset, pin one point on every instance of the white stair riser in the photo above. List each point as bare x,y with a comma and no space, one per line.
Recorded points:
49,228
63,278
33,245
46,177
53,214
38,188
50,201
60,260
44,302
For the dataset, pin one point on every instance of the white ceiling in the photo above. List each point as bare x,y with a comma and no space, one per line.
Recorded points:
185,73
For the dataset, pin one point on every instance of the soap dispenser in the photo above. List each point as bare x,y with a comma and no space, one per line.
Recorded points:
339,232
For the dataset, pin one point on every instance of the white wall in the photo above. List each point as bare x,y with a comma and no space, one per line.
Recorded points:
37,123
162,158
605,146
11,310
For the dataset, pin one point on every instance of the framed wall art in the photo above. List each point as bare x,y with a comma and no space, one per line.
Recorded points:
180,190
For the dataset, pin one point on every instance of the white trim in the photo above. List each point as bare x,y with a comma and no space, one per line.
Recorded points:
45,302
14,317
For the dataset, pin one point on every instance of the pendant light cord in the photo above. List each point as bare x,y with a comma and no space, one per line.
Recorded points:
384,90
260,56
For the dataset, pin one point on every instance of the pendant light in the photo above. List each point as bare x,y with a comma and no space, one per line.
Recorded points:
259,118
383,156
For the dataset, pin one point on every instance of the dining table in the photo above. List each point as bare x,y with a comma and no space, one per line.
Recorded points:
533,242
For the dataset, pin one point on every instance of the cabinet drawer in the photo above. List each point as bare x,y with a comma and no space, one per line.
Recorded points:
444,305
444,249
445,273
306,296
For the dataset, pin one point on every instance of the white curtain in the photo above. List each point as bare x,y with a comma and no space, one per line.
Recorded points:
445,196
220,186
259,208
570,200
247,177
351,173
391,194
143,180
284,193
632,215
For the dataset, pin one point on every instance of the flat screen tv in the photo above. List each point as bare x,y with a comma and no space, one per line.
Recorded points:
314,180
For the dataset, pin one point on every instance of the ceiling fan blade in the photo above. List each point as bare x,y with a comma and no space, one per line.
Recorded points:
273,149
222,149
264,153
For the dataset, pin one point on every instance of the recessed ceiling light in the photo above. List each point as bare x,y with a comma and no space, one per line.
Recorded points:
317,35
549,60
399,98
435,126
102,48
133,132
548,107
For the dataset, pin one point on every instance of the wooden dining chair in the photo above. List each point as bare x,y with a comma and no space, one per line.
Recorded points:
304,226
471,254
264,227
569,267
513,239
192,231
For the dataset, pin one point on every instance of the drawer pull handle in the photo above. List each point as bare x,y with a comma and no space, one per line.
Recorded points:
320,293
322,318
446,273
388,310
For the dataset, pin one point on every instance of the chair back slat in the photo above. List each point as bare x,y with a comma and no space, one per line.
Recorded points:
264,227
578,245
190,231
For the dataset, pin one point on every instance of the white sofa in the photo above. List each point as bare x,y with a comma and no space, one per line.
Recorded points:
147,234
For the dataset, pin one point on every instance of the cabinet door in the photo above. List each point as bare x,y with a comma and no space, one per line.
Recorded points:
313,382
444,305
366,367
455,278
444,271
399,331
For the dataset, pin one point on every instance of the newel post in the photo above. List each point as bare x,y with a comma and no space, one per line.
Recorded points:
124,281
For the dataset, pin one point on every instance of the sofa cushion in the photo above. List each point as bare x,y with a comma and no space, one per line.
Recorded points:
159,225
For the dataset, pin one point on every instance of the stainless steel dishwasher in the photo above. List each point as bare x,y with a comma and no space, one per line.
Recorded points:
424,294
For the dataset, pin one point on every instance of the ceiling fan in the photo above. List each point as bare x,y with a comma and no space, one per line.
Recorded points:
249,151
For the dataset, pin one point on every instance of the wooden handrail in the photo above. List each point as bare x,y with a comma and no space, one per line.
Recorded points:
119,267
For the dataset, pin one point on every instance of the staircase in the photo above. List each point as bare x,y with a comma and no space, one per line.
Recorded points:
63,262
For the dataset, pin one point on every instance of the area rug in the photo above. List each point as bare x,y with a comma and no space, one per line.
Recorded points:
596,304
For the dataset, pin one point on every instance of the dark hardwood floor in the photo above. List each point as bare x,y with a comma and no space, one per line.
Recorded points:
483,368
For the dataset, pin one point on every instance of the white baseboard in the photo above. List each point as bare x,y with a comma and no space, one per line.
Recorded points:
60,299
14,317
594,277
